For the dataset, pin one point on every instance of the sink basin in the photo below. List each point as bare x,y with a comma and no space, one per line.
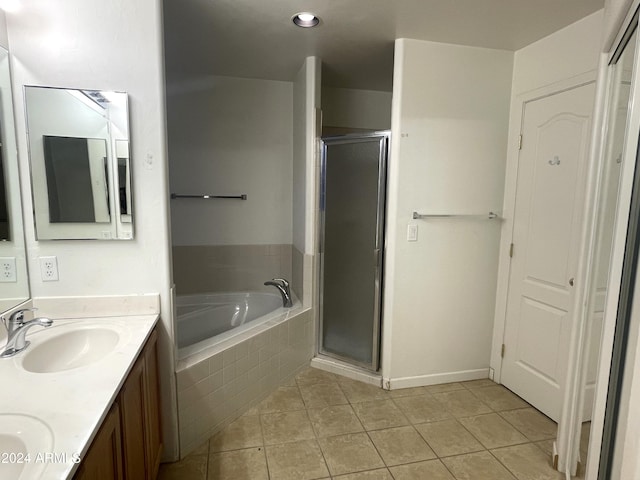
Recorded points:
22,435
70,349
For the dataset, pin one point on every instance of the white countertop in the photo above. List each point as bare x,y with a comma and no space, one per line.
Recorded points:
71,403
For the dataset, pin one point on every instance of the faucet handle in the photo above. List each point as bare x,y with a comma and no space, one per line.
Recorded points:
284,281
18,315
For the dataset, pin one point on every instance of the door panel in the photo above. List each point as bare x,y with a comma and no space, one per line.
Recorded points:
547,225
352,204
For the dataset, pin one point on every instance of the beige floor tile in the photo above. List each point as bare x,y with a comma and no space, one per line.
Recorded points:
322,395
245,432
284,399
201,450
407,392
431,470
422,408
499,398
448,437
379,474
334,420
289,383
444,387
531,423
484,382
361,392
311,376
477,466
350,453
493,431
249,464
546,446
193,467
296,461
401,445
462,403
379,414
286,427
251,412
527,462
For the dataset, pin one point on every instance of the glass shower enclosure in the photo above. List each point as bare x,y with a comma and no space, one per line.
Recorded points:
352,209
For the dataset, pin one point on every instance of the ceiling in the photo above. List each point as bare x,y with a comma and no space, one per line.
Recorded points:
256,38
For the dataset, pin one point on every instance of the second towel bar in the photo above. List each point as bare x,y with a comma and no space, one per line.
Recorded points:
489,216
239,197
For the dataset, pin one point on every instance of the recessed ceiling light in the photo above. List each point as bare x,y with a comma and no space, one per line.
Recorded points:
305,19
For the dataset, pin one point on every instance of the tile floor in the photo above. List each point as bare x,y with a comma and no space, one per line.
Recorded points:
323,426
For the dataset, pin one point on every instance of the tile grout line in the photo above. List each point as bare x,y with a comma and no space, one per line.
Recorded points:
506,467
315,434
264,443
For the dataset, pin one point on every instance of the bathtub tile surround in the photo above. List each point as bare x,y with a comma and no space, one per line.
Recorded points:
229,268
376,435
215,389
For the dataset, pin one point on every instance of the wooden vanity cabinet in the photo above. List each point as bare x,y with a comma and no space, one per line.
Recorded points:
103,461
140,416
152,401
138,424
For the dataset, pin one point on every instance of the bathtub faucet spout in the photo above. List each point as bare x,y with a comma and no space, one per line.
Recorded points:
283,287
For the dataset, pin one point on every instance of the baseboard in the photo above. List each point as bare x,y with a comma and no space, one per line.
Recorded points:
435,379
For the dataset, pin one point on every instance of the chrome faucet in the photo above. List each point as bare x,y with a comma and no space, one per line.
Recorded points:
283,286
17,330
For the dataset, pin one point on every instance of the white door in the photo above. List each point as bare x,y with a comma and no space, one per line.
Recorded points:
547,223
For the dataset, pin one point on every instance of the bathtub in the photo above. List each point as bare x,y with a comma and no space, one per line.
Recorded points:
205,320
234,349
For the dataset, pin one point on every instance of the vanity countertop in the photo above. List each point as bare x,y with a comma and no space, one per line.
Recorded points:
69,402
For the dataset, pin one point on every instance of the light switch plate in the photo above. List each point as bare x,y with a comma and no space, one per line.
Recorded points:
412,232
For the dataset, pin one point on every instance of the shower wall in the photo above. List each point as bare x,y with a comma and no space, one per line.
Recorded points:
229,136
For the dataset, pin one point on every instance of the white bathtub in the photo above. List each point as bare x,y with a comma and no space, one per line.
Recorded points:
205,320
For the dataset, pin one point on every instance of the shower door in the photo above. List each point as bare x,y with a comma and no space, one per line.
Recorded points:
352,205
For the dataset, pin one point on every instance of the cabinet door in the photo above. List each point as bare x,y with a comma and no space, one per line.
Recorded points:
132,404
152,397
103,461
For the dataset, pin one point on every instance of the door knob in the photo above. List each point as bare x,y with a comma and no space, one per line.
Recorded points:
571,282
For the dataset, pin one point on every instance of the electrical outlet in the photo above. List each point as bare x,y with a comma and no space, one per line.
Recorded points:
49,269
8,270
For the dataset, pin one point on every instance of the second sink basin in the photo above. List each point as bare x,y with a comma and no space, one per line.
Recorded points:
70,349
22,437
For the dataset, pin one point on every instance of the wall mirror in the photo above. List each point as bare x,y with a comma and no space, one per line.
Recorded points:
617,126
80,163
14,283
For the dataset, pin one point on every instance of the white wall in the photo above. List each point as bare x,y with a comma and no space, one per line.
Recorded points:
115,45
230,136
4,38
306,130
347,107
299,156
449,130
565,54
